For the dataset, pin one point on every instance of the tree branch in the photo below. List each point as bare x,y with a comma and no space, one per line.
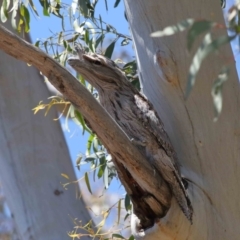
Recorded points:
105,127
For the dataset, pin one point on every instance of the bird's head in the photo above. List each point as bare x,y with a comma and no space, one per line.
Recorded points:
98,70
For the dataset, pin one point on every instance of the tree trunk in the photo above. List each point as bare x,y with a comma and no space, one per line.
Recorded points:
33,154
208,152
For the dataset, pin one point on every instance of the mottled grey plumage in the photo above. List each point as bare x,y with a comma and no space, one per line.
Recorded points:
136,116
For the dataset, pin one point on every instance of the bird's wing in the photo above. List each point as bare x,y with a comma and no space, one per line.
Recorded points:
165,159
153,124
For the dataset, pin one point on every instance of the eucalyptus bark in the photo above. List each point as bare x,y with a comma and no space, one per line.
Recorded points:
208,152
33,154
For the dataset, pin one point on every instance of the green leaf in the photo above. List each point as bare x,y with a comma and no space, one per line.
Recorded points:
124,42
110,28
203,51
45,4
95,163
170,30
131,64
105,177
99,154
109,50
78,116
4,10
7,4
45,12
84,7
102,158
91,45
119,211
87,182
62,22
78,162
102,166
95,144
45,46
73,39
60,37
90,159
81,120
100,171
130,70
136,84
86,36
116,3
26,17
126,216
63,58
217,91
127,203
13,19
20,23
22,10
55,8
94,3
106,5
3,15
100,20
111,171
91,28
107,28
115,235
196,29
89,144
131,237
37,43
69,49
90,7
99,40
125,15
65,44
33,7
82,81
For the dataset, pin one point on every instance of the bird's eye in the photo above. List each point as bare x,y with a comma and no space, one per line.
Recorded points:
96,62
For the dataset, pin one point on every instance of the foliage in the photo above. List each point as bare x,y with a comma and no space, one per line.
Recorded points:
55,100
97,231
93,33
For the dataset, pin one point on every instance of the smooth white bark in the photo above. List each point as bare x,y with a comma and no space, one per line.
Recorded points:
208,152
33,154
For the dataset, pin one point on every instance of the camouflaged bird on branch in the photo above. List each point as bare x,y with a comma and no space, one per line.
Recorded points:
138,119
